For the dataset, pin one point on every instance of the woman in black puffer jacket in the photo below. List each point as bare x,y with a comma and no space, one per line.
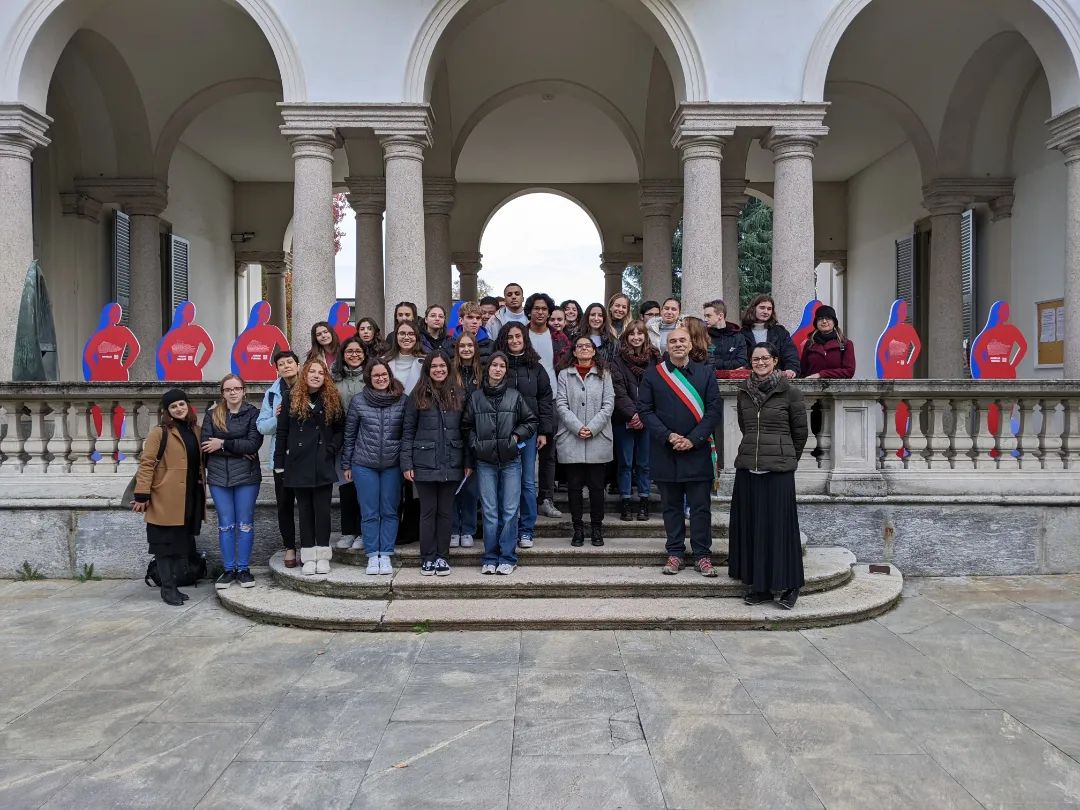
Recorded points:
764,549
528,376
231,442
497,423
433,457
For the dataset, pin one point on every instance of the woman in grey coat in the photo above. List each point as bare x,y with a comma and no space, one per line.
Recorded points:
370,457
584,440
348,374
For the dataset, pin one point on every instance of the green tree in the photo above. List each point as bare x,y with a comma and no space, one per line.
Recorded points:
755,250
676,261
632,285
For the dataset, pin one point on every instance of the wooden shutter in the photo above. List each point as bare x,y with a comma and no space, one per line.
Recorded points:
179,250
121,263
967,281
905,272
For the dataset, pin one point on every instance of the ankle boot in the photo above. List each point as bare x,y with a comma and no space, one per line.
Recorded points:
167,573
598,534
627,509
579,534
177,565
643,509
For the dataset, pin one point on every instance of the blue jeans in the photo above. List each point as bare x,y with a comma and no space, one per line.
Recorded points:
379,492
628,444
236,523
463,513
527,516
500,492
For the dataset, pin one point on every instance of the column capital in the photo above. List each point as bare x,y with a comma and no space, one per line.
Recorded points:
733,197
404,147
80,205
621,258
837,258
439,195
1065,134
138,196
1001,207
272,261
382,119
785,141
951,195
468,262
658,198
314,145
22,130
367,195
699,147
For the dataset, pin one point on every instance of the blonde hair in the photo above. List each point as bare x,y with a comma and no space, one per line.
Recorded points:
220,411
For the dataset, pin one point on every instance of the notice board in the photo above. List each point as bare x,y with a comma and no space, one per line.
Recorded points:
1050,331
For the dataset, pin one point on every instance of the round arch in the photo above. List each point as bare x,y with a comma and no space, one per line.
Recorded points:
659,18
525,192
578,91
1052,27
44,27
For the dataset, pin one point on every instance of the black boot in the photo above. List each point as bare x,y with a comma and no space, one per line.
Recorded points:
643,509
579,534
176,566
788,598
598,534
167,573
627,509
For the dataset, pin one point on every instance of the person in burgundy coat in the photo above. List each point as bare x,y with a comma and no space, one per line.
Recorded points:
828,354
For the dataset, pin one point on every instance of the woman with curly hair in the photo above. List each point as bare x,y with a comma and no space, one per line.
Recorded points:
309,437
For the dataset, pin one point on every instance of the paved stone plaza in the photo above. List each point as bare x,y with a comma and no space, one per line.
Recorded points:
966,695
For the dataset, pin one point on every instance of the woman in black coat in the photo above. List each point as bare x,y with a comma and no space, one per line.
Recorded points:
231,442
309,437
764,550
634,356
433,458
759,325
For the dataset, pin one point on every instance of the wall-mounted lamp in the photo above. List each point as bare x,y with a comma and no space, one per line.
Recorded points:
240,238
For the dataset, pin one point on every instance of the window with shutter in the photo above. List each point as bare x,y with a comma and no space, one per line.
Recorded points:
179,250
905,272
967,280
121,263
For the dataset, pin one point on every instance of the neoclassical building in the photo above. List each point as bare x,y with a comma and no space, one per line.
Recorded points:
163,149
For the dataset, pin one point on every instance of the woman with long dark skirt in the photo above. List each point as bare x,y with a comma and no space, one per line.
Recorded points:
348,374
169,490
764,550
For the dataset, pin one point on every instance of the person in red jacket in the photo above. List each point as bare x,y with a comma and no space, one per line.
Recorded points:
827,354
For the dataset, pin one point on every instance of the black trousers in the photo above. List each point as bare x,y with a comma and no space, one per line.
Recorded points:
436,509
286,518
697,495
350,509
314,503
592,476
545,481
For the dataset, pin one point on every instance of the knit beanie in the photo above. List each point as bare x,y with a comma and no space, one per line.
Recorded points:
171,396
825,311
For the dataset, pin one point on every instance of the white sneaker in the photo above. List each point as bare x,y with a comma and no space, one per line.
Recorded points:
455,540
346,541
373,564
525,541
505,568
547,509
487,568
322,566
385,565
466,541
308,557
357,543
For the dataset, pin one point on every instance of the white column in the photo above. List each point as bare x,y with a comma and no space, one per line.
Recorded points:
21,131
733,200
945,315
703,234
405,253
658,201
793,221
314,288
1065,136
468,265
367,196
438,203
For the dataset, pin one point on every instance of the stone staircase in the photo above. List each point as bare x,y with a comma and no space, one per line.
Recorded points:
556,585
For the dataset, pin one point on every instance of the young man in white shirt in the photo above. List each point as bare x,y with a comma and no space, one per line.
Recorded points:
550,347
513,311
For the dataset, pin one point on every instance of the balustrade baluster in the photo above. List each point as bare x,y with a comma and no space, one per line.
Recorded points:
1071,438
938,442
916,438
963,439
81,438
1054,423
810,453
1008,443
825,437
892,441
11,444
36,445
985,440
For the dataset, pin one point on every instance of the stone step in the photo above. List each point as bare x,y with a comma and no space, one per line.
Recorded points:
865,596
825,568
653,527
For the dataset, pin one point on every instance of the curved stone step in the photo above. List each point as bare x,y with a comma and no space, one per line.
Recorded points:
825,568
865,596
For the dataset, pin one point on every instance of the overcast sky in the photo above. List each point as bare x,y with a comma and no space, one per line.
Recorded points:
543,241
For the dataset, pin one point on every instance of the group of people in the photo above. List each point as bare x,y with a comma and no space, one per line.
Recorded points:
484,419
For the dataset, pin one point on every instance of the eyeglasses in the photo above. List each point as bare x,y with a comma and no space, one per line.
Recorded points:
232,390
760,360
354,351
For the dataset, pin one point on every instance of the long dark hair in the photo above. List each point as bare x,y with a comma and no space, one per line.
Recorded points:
748,313
646,352
447,395
605,333
377,339
572,330
502,343
316,349
339,362
394,351
457,365
395,384
598,358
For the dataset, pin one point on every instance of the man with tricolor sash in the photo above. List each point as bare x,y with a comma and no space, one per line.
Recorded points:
680,405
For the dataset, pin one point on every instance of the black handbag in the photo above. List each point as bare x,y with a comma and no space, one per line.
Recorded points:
189,570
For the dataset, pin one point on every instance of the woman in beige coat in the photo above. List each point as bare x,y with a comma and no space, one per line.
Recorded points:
169,490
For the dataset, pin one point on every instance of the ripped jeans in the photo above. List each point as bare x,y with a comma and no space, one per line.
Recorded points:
236,523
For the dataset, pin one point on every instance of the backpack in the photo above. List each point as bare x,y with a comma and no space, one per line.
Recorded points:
190,570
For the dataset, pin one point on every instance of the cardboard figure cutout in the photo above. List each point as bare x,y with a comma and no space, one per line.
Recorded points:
998,348
178,357
339,319
899,345
253,351
802,334
111,349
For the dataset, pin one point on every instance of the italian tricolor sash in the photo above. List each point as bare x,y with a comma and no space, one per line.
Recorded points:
689,397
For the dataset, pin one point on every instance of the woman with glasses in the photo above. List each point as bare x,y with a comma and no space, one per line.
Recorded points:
348,374
231,442
583,439
406,355
765,550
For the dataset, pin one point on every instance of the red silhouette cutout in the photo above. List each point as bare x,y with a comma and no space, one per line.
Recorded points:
899,345
802,334
998,348
339,319
253,351
111,350
178,357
